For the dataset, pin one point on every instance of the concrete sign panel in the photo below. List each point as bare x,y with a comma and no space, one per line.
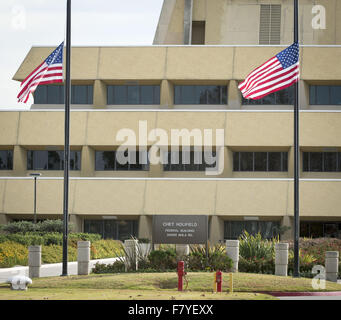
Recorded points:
180,229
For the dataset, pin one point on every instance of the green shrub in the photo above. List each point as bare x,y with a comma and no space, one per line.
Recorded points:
53,226
116,267
20,227
12,254
163,259
46,226
262,265
102,249
54,254
51,238
254,247
216,259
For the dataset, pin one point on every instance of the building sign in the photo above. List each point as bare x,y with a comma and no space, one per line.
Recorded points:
180,229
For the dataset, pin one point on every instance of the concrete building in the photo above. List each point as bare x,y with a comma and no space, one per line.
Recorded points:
175,85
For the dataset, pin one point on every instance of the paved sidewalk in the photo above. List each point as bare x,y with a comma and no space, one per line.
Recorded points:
48,270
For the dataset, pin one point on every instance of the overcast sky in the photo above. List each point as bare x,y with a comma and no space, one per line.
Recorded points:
27,23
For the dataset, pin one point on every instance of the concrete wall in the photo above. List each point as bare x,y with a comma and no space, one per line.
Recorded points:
237,21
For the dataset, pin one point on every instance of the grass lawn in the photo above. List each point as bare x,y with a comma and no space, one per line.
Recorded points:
158,286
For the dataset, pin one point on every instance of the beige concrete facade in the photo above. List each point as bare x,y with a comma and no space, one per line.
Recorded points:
139,195
237,22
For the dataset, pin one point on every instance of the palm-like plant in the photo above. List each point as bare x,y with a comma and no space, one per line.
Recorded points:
255,247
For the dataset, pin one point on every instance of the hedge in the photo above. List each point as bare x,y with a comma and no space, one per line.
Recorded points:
14,253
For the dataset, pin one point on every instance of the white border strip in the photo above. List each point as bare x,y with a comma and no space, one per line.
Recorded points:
174,110
202,46
169,179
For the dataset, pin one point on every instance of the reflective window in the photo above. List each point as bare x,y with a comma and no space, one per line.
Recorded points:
131,95
54,94
234,229
325,95
52,160
260,161
200,94
282,97
6,159
189,160
126,161
322,161
112,229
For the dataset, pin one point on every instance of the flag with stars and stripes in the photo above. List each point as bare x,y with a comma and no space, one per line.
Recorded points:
276,74
49,71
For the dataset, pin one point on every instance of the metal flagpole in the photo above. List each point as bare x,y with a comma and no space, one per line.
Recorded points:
67,139
296,272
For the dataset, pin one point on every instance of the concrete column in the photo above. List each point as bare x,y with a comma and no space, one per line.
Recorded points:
332,265
19,161
145,227
34,261
88,162
234,95
166,94
228,163
3,219
83,257
188,11
216,230
304,95
131,257
77,222
281,259
182,250
232,251
100,94
287,222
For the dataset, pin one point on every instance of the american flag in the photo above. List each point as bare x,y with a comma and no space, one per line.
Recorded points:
49,71
276,74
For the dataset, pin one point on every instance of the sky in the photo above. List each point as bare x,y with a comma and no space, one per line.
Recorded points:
27,23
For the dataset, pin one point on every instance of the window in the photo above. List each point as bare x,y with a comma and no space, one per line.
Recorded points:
200,94
198,32
270,24
319,229
282,97
325,95
260,161
110,160
322,161
52,160
54,94
133,95
112,229
6,160
189,160
234,229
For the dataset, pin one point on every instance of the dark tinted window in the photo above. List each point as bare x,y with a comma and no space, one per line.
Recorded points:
260,161
282,97
234,229
131,95
53,94
327,95
52,160
200,94
320,229
112,229
6,160
110,160
189,160
321,161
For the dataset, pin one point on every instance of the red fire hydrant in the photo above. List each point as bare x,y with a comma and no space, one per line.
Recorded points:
181,275
219,280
